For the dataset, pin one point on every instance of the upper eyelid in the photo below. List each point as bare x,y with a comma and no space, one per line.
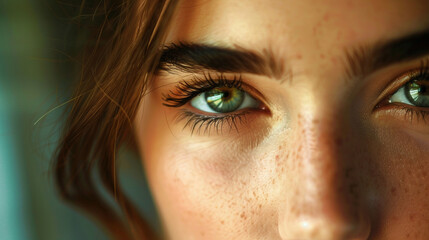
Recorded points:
186,89
421,71
195,80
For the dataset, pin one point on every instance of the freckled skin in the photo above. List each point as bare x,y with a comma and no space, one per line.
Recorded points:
322,164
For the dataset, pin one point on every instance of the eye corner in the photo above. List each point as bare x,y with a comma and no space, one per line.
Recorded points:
383,103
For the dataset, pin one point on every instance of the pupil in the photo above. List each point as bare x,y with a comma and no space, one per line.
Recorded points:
422,90
226,95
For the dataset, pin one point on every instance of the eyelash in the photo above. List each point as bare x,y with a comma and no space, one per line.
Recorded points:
412,112
196,122
187,90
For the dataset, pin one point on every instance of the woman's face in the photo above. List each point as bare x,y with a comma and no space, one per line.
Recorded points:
286,119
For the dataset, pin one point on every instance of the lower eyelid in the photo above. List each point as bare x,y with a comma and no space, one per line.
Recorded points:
206,123
215,114
402,112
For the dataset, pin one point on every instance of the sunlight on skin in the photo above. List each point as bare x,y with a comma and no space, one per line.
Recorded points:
321,161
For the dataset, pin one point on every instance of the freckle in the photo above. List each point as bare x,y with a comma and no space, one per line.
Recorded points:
393,191
273,181
334,60
322,56
222,222
411,217
315,28
326,17
298,56
243,215
277,157
280,147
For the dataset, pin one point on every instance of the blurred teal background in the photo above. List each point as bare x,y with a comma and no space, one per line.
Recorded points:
36,73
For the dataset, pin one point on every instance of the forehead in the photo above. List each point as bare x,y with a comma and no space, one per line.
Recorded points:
304,25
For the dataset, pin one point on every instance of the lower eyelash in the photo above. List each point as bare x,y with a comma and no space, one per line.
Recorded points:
407,113
411,114
198,123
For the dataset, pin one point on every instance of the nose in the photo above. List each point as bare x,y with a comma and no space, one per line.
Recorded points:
322,199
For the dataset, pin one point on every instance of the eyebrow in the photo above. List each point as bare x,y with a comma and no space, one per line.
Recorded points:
359,61
363,60
194,58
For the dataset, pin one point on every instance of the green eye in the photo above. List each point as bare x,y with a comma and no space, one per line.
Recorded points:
223,100
415,93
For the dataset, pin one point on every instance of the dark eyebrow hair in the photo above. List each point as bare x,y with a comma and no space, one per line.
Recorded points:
195,58
359,61
363,60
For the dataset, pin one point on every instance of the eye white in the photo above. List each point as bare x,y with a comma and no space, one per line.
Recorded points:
399,96
199,102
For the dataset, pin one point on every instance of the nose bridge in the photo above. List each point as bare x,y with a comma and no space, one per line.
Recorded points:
321,162
325,204
320,166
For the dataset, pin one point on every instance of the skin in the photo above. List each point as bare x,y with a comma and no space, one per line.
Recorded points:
320,161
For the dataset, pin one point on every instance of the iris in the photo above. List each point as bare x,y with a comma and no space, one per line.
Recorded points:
224,99
417,93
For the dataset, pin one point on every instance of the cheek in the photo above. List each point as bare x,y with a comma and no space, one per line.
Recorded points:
207,191
206,187
201,184
402,186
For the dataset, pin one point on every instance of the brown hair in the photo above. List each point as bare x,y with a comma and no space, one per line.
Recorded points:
120,56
